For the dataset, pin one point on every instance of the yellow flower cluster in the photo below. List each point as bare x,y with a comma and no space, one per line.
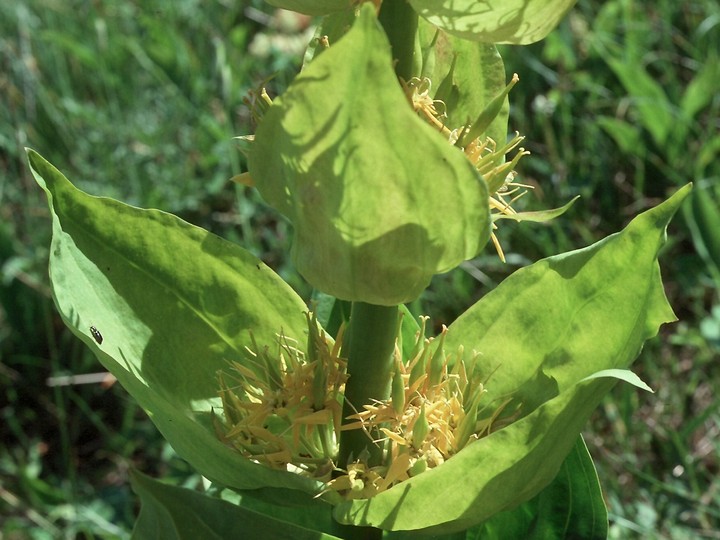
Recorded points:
482,151
434,411
284,408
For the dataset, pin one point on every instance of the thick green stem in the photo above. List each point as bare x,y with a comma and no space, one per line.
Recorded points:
369,351
400,21
369,345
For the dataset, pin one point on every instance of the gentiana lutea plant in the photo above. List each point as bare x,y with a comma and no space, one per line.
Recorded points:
389,155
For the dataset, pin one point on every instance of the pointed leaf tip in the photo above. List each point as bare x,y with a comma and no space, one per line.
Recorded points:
576,321
173,304
623,375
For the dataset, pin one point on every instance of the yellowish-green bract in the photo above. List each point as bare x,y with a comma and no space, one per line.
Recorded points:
379,201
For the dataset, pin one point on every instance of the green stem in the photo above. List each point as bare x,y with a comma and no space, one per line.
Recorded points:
369,351
400,22
368,347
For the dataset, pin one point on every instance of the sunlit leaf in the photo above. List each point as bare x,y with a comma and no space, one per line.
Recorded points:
379,200
541,335
495,21
571,506
174,304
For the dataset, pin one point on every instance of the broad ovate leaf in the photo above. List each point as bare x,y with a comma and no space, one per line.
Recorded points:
173,304
570,316
552,339
495,21
380,202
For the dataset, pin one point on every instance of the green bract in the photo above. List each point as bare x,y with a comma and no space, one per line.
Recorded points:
495,21
380,202
175,303
476,75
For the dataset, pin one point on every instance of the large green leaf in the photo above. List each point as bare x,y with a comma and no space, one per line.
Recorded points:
174,513
566,317
379,200
571,506
541,334
495,21
173,304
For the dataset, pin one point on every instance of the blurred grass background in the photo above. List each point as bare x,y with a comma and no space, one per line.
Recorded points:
140,101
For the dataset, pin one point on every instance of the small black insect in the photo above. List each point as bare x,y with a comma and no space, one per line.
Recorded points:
96,334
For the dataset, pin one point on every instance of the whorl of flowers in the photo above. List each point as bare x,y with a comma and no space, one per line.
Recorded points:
283,408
